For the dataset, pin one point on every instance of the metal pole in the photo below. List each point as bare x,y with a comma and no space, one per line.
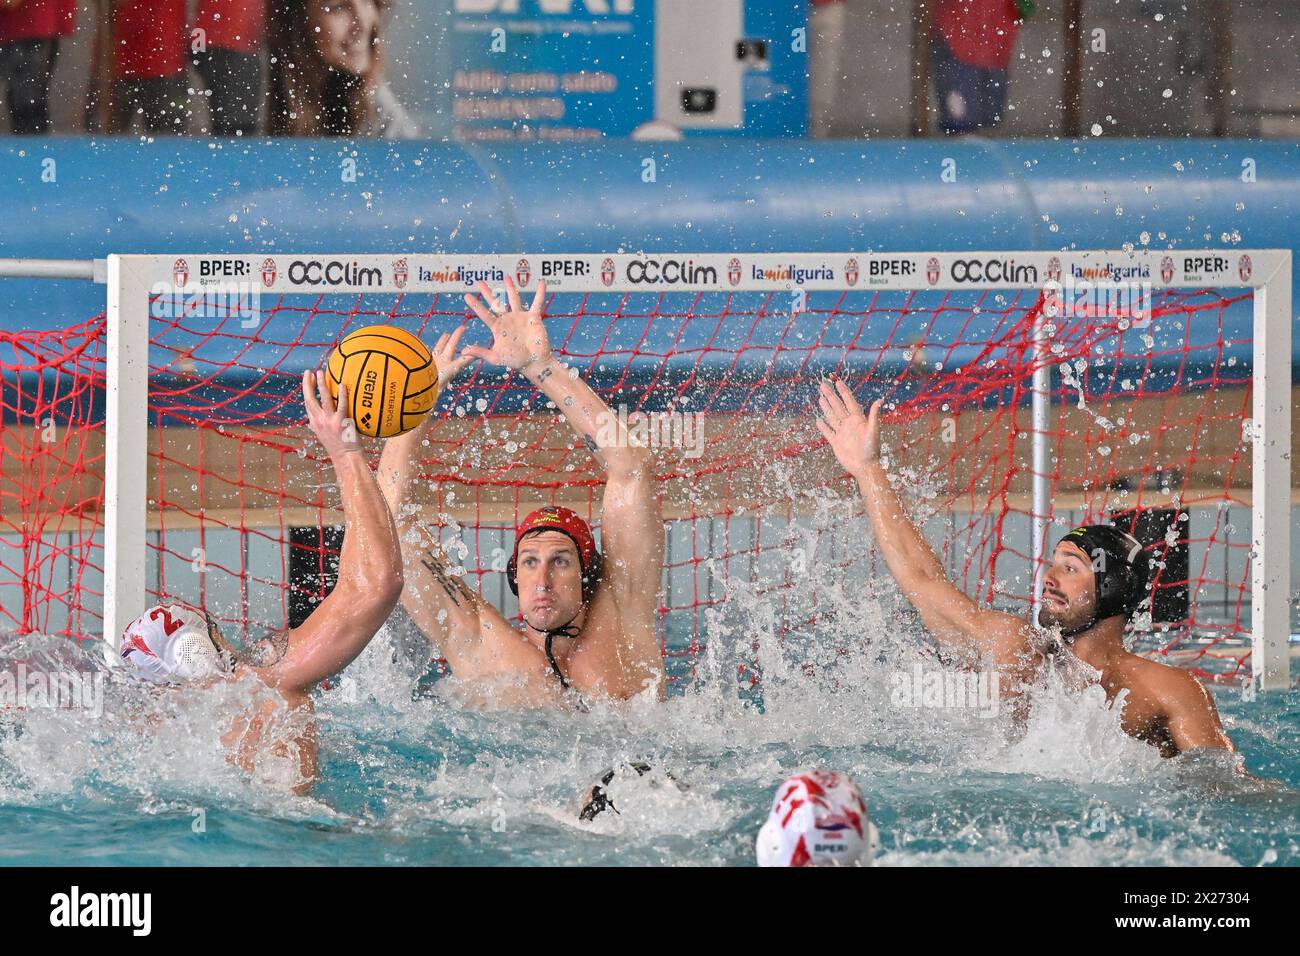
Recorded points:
1270,519
1042,447
126,449
91,269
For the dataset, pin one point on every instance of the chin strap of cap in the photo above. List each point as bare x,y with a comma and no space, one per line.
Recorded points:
568,630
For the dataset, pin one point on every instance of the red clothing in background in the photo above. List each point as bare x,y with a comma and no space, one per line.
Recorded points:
233,24
979,32
38,20
149,38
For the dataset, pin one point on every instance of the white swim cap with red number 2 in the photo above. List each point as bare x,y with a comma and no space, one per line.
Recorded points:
818,818
171,643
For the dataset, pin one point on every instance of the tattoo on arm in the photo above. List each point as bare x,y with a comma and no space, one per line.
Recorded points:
270,650
452,584
545,374
590,443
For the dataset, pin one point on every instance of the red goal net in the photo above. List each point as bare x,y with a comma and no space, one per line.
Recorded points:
1149,427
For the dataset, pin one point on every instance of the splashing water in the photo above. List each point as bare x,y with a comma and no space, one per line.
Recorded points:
409,775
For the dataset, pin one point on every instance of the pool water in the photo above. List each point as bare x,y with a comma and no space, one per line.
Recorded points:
410,775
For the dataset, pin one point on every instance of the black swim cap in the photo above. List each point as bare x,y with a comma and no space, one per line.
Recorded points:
1120,568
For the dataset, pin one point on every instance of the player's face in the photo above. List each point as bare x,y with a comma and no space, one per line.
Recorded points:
344,31
549,576
1069,589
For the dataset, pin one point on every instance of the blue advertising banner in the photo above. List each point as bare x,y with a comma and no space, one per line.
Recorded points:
574,70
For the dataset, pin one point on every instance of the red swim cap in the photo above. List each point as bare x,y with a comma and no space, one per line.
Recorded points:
555,518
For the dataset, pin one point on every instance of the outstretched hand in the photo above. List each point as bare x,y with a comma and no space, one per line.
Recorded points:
330,423
852,435
445,359
519,337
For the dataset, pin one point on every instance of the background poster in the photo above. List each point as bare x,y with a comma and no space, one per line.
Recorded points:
574,70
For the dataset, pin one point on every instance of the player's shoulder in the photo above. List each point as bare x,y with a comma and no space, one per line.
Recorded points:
1165,683
1012,640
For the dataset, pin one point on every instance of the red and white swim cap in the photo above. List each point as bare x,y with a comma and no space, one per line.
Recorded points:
171,643
818,818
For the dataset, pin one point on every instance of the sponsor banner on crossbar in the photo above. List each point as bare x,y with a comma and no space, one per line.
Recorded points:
712,272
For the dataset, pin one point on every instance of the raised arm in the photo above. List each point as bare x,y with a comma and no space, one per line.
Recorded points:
520,343
949,614
632,539
370,564
631,522
440,603
632,516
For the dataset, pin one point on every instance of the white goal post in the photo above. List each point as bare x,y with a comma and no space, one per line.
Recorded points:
131,279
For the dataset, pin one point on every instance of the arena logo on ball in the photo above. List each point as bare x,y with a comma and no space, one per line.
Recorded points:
1205,268
366,400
